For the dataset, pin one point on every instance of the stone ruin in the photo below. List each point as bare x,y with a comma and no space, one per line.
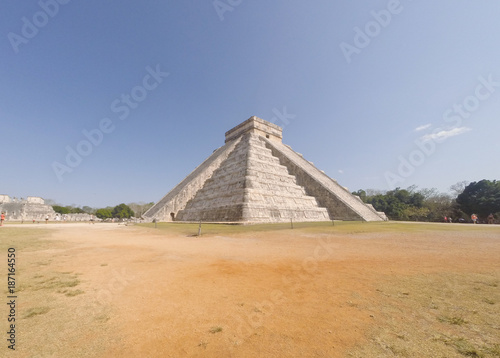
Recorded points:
31,208
34,208
256,178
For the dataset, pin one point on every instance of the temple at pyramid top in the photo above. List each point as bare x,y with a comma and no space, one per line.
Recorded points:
257,126
253,178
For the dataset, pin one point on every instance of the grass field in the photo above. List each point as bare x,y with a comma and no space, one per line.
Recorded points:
350,227
319,290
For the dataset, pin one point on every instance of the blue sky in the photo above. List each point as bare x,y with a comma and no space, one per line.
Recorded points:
377,94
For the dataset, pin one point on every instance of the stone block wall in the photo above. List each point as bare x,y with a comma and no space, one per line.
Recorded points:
252,186
22,210
176,199
35,200
341,204
4,199
257,126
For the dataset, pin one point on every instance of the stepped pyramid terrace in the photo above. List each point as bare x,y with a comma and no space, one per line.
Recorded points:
255,178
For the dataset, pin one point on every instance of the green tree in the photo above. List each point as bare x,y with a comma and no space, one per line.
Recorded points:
104,213
122,211
409,204
60,209
481,198
75,210
398,203
415,214
439,206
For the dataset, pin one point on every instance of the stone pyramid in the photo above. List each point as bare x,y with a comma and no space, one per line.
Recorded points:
254,177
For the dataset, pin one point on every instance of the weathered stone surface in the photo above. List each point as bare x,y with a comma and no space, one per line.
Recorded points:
251,186
31,208
168,207
257,126
256,178
4,199
341,204
34,208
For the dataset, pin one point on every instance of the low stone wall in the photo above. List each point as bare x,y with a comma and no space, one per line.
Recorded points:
24,211
73,217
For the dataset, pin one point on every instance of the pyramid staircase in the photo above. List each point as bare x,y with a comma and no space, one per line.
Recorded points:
254,177
251,185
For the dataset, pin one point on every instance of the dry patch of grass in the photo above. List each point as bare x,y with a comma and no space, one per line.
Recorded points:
53,305
72,293
24,239
436,315
462,346
191,229
215,329
57,281
452,320
35,311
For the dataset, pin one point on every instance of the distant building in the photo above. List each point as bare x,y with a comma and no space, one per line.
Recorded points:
31,208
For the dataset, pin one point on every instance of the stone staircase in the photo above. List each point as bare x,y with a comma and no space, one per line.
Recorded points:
252,186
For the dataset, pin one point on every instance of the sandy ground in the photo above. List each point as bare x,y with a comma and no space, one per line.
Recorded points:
139,292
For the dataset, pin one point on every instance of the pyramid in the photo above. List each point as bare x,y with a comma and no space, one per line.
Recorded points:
255,178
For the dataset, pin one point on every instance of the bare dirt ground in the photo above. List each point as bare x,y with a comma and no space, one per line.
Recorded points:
360,290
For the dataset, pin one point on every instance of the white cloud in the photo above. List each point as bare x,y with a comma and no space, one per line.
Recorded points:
341,171
421,128
442,135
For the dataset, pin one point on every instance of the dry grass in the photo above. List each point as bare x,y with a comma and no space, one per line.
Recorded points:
387,290
442,315
325,227
35,311
48,297
215,329
29,239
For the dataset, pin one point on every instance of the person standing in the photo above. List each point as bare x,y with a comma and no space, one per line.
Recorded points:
2,218
474,218
490,218
47,219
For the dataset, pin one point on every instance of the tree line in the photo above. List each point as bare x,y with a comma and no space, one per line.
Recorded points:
481,198
121,211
